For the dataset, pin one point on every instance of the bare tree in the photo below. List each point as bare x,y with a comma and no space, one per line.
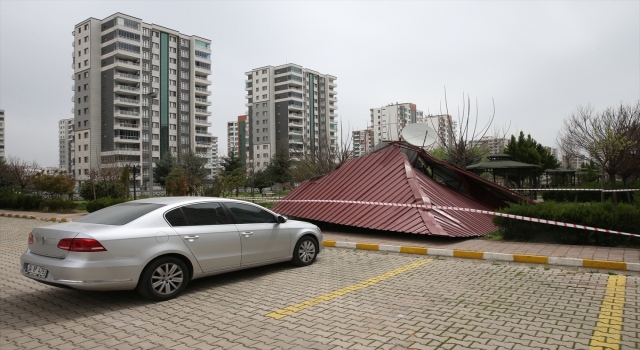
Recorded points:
21,171
605,137
327,156
461,144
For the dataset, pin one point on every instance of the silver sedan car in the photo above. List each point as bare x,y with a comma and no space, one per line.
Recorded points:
157,245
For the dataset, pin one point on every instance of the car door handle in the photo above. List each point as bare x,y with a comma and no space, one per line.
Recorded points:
247,234
191,238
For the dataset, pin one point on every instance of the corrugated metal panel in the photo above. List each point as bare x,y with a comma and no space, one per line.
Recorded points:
387,176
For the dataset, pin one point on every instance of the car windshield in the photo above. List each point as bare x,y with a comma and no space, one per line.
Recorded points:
120,214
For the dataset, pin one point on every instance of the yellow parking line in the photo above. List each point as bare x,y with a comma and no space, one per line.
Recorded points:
278,314
606,335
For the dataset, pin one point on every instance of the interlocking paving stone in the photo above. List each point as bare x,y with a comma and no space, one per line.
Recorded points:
448,303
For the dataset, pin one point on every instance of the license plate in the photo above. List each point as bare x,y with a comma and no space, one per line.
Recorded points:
36,270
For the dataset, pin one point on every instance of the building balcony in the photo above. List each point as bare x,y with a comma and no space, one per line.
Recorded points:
200,132
295,115
202,101
125,54
127,102
295,107
126,77
202,91
127,126
332,85
202,80
295,124
126,139
202,111
129,90
127,114
202,70
202,122
125,151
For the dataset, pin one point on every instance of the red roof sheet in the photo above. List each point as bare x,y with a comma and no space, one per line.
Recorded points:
386,177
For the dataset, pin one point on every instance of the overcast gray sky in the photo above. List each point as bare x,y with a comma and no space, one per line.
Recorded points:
537,60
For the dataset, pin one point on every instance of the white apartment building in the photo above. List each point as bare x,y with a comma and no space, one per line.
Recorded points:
2,153
66,146
495,145
140,90
362,141
574,162
445,126
388,121
290,109
552,150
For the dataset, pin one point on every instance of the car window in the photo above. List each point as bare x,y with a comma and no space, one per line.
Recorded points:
205,214
176,218
119,214
249,214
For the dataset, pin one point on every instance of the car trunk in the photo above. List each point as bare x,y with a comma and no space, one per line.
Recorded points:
45,239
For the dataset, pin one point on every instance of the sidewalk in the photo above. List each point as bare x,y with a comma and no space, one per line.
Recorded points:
629,255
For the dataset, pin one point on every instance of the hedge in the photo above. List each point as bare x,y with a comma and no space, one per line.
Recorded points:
58,205
20,201
621,217
582,196
103,203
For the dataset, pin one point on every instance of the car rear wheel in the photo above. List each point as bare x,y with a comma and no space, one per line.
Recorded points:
163,279
305,251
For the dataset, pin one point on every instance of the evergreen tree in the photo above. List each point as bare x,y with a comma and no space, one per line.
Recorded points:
163,168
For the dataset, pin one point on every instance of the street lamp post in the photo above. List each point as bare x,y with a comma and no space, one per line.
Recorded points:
134,169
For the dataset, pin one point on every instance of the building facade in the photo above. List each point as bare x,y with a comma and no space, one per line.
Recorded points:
388,121
290,109
237,137
215,162
66,146
495,145
140,90
445,127
362,141
2,127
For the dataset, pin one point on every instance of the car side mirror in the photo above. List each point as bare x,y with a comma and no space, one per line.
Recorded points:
281,219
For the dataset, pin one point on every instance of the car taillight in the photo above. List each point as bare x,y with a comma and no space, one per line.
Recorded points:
81,245
30,237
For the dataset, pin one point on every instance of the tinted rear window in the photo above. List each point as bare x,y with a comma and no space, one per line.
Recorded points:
119,214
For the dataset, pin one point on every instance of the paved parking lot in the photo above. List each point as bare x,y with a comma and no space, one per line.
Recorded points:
348,299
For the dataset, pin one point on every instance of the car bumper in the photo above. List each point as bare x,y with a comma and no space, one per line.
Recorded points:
82,274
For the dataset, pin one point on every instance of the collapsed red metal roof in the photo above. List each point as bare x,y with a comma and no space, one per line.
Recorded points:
374,191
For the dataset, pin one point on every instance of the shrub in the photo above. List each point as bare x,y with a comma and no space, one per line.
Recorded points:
20,201
103,190
58,205
621,217
103,203
581,196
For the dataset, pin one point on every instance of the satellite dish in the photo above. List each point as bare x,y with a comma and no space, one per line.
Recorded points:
419,135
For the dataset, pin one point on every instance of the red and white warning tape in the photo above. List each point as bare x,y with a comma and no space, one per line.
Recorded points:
572,189
469,210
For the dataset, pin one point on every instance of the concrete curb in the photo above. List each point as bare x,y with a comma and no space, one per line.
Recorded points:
467,254
54,219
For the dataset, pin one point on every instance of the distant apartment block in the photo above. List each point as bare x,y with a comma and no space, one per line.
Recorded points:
66,146
495,145
2,128
574,161
215,163
290,109
362,141
552,150
237,138
388,121
445,127
140,91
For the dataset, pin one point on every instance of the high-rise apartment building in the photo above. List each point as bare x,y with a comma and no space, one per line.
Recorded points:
237,133
290,109
140,90
66,146
388,121
215,163
2,154
444,126
362,141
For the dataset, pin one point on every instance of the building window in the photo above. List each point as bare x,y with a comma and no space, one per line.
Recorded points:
173,50
155,67
155,125
86,38
172,115
173,82
264,71
264,113
265,129
79,113
86,87
173,61
86,98
265,146
156,79
85,123
264,104
86,135
156,56
156,45
173,71
264,80
86,147
264,96
86,159
86,74
173,105
155,136
264,138
258,139
264,88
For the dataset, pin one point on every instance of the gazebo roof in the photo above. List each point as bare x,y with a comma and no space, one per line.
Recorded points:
501,161
562,170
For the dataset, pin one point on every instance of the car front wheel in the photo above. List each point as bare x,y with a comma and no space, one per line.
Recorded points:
163,279
305,251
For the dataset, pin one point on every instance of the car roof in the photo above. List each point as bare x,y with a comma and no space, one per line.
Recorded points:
181,200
